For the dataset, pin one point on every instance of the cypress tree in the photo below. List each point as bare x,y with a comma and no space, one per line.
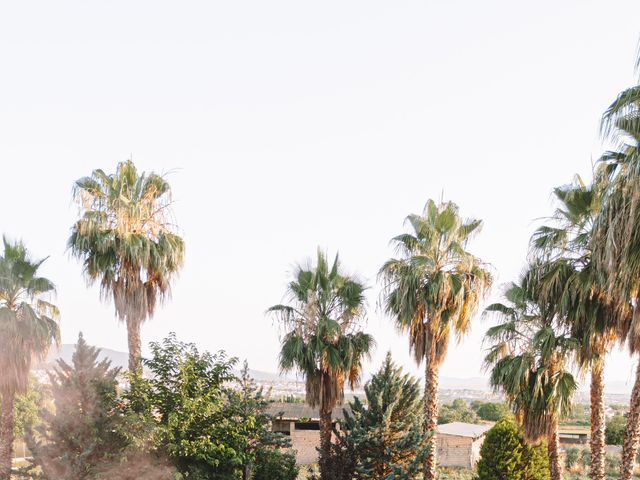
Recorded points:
504,455
81,432
386,434
86,435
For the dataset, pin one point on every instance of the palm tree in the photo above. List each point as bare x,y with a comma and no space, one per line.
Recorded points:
125,240
433,290
28,326
616,241
527,357
322,338
573,288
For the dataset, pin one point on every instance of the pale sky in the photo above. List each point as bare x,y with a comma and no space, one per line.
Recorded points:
289,125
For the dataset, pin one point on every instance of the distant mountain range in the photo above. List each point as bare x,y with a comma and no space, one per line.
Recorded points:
65,352
120,359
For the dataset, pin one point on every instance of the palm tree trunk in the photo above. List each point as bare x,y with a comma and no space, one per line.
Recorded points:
553,449
597,420
632,435
6,433
325,442
135,345
431,413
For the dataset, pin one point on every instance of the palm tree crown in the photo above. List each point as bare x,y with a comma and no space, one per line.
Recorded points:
28,326
28,323
527,357
322,340
126,241
436,286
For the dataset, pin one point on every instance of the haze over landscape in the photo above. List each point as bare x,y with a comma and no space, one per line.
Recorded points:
287,126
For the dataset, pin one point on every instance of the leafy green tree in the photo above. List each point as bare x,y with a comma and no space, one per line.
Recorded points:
491,411
323,340
79,436
616,427
197,422
457,411
433,290
528,361
27,408
125,240
386,434
28,327
272,464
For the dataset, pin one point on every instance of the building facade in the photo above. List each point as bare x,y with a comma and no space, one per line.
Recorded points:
458,444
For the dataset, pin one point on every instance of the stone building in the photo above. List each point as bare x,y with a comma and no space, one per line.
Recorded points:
458,444
302,424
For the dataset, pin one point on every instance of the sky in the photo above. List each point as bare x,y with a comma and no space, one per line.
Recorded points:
285,126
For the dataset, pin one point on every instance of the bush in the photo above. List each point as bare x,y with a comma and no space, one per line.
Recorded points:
614,433
504,455
457,411
491,411
501,453
572,458
189,410
271,464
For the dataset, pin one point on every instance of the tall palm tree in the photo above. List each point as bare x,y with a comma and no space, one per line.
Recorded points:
432,290
527,357
574,289
616,244
126,241
322,339
28,326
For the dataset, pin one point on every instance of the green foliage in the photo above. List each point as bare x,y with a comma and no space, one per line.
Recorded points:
272,464
528,356
457,411
206,428
501,453
504,455
490,411
536,462
81,437
384,438
572,457
456,474
612,464
615,430
27,407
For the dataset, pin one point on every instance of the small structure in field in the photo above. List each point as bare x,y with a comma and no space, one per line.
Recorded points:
302,423
458,444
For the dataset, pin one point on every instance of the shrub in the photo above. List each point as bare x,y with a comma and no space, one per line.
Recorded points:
501,453
614,432
491,411
504,455
272,464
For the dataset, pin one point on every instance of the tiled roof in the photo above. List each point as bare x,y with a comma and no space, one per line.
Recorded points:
295,411
460,429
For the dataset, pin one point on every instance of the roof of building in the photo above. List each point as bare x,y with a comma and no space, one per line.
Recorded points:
295,411
460,429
